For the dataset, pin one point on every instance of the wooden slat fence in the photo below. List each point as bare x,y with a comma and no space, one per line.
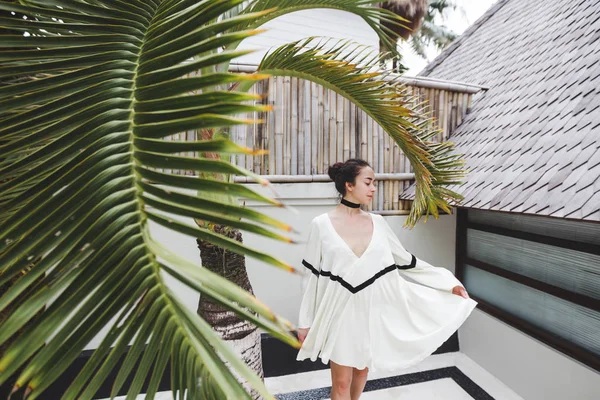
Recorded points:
312,127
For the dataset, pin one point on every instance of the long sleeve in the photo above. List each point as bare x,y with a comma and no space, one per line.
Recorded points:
312,266
418,270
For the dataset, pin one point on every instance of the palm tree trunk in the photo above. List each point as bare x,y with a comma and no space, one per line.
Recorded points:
241,335
413,12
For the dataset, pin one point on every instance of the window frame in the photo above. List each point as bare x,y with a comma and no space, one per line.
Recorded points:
564,346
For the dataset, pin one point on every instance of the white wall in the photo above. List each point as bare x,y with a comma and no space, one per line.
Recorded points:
532,369
301,24
433,241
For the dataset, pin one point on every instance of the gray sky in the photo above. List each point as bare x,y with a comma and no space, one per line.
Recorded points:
458,20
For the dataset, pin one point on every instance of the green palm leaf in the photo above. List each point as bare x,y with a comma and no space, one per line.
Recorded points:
352,71
92,91
366,9
87,112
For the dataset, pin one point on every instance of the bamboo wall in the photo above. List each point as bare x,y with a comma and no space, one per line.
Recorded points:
312,127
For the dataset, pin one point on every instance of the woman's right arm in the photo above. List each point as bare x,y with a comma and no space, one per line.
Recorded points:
312,265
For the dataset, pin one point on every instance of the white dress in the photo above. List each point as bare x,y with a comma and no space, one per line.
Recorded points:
363,313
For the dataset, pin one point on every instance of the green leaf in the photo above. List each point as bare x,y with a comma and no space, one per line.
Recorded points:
70,342
169,73
176,103
224,208
368,10
352,71
207,185
217,239
112,16
72,246
128,329
150,353
138,345
179,86
196,213
88,102
121,332
87,97
9,41
269,322
161,360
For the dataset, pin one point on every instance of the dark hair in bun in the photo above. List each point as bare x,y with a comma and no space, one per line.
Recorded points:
344,172
334,169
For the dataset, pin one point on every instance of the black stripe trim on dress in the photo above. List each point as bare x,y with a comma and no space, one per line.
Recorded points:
353,289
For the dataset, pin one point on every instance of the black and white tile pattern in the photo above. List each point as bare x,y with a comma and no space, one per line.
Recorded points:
451,376
384,387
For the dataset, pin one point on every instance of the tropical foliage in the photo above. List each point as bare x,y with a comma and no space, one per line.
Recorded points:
91,92
422,26
432,31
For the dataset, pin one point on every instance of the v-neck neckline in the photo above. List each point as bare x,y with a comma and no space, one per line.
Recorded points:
346,244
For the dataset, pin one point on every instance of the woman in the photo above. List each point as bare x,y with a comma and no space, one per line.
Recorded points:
358,312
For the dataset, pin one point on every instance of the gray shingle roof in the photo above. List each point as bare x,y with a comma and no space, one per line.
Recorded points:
532,141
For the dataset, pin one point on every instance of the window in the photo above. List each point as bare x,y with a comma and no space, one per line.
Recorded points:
539,274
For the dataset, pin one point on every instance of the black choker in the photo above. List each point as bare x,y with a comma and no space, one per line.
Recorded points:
350,204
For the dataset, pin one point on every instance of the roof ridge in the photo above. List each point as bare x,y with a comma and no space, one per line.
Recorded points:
466,34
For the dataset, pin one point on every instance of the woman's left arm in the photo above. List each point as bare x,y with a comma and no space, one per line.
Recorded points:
420,271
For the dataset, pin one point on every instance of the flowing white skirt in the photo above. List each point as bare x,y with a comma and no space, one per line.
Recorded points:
391,324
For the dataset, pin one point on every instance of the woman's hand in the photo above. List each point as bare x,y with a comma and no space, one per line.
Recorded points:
460,291
302,332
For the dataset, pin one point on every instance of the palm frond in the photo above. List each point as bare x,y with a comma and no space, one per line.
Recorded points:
351,71
91,96
441,6
368,10
417,45
439,35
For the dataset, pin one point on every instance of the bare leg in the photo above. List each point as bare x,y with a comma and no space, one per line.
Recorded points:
341,379
359,380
